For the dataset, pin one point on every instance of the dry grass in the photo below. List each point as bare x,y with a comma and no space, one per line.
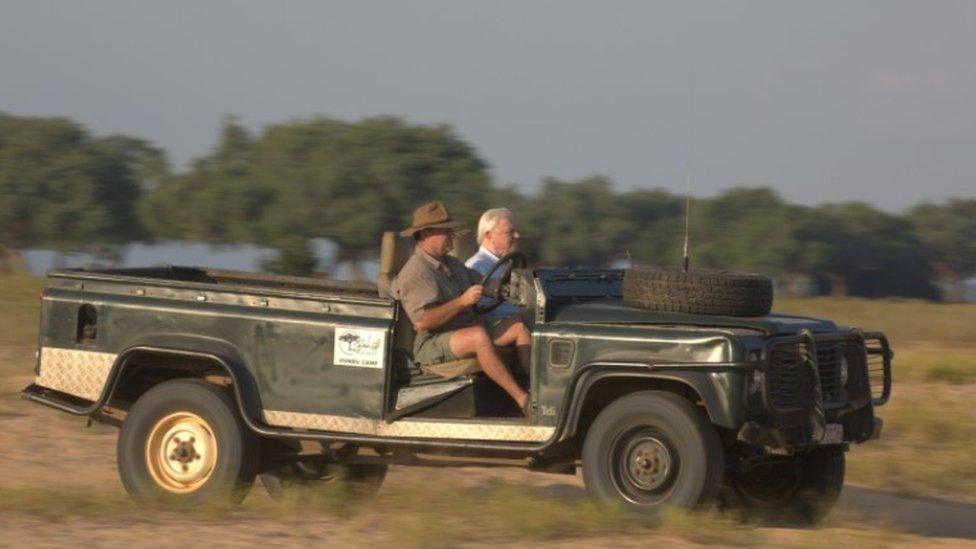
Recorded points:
928,446
904,321
19,322
435,514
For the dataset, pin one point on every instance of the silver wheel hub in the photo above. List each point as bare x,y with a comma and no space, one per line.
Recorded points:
648,463
181,452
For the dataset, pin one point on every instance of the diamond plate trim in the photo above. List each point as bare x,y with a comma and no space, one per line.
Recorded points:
410,428
79,373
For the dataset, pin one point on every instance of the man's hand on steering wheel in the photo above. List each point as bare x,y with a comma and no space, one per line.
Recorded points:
493,286
472,295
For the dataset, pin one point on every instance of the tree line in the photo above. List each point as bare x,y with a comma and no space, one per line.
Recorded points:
291,183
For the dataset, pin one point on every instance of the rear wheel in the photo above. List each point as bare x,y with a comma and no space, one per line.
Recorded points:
801,489
184,441
652,449
311,479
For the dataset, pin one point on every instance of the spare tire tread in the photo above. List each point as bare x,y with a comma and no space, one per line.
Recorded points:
698,291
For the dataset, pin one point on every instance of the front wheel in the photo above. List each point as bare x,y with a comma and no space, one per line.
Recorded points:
801,489
653,449
184,441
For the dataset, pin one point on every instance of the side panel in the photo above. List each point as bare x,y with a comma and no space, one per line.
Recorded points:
719,391
722,391
289,353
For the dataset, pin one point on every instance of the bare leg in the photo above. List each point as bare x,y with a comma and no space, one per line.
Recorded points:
474,341
512,331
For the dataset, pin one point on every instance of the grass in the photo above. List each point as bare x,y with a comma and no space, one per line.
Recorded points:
959,370
19,321
917,365
928,445
54,503
904,321
436,514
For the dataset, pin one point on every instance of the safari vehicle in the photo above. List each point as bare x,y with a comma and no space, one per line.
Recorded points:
218,377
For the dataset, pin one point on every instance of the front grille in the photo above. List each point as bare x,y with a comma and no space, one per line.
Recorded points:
828,363
791,380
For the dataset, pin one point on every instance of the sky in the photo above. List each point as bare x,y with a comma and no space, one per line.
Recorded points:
822,101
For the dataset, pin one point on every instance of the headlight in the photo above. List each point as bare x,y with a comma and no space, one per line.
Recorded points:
756,387
844,366
758,378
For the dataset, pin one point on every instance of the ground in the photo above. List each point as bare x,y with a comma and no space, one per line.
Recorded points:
58,484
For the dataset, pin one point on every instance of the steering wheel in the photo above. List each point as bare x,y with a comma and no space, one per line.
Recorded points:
493,286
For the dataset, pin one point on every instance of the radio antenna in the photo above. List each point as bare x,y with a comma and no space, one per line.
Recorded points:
689,153
687,211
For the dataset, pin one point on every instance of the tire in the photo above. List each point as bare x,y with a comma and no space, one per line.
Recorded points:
355,481
801,490
681,459
698,291
183,441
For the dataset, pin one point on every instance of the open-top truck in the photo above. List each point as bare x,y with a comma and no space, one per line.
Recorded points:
651,381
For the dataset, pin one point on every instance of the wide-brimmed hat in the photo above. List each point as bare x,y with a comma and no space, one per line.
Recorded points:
432,215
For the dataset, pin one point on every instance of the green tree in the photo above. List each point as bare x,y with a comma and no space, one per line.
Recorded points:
657,220
948,233
863,251
749,229
216,201
579,223
315,178
61,188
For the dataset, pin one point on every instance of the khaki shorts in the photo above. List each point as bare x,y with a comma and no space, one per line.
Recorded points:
434,349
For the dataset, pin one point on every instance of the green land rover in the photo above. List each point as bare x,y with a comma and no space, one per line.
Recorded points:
664,388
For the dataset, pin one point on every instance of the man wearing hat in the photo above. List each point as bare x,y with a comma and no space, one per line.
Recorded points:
437,292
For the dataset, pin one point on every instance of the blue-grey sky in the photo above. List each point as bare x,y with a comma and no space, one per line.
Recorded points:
824,101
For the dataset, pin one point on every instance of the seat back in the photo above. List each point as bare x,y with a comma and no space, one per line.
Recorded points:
465,246
395,250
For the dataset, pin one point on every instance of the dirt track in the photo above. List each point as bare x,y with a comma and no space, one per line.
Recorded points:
42,449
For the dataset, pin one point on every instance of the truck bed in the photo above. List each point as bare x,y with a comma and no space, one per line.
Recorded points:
280,333
236,281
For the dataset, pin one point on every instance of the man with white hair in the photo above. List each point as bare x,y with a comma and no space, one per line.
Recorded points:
497,236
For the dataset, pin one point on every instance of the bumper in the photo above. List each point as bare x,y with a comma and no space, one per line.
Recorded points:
754,434
820,389
58,400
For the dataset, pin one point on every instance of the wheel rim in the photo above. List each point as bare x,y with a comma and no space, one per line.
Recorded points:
643,466
181,452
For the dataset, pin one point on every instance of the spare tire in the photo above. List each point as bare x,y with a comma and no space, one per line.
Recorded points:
698,291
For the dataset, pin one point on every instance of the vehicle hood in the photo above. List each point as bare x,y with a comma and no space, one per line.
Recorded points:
614,312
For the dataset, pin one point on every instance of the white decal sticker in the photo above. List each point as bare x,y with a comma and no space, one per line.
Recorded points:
359,347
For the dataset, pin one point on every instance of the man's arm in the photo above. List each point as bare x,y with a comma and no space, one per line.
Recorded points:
437,315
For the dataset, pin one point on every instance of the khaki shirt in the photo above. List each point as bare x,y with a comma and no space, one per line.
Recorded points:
424,281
